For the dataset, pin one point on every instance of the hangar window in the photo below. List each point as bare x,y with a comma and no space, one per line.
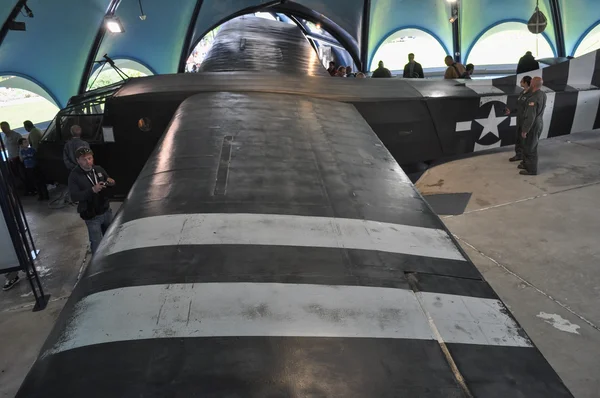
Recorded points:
394,51
506,43
20,100
105,76
591,42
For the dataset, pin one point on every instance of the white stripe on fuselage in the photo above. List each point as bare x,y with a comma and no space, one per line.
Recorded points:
280,230
284,310
586,111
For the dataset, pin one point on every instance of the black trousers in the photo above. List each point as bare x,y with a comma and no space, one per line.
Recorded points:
530,148
18,171
34,181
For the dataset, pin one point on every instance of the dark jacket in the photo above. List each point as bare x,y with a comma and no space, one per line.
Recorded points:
80,187
381,72
417,71
527,63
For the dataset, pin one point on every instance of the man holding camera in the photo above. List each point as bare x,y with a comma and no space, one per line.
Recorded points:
87,185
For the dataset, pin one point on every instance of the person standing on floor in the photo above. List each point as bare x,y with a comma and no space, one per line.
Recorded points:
413,69
533,125
35,134
87,185
349,72
331,70
12,148
34,181
455,70
381,72
522,102
73,145
527,63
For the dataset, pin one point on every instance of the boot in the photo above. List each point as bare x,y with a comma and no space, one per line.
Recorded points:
515,158
527,173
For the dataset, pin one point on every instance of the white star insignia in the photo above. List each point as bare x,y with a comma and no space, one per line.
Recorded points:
490,125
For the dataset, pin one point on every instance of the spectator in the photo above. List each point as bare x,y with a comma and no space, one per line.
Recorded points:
522,103
455,70
73,145
527,63
349,72
381,71
413,69
35,135
341,72
470,69
332,71
34,181
532,127
12,147
87,183
360,75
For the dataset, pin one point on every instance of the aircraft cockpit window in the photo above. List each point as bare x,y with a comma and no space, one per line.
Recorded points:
145,124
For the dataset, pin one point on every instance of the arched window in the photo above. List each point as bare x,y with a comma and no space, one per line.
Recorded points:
591,42
506,43
21,100
395,49
107,75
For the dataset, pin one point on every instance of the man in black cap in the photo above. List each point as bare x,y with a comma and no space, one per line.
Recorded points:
87,185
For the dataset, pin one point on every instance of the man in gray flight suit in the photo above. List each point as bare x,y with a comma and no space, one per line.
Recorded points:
533,125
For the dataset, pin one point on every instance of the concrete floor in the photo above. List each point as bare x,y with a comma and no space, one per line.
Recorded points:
536,240
61,237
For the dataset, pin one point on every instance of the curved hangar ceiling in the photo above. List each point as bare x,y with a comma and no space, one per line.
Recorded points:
65,37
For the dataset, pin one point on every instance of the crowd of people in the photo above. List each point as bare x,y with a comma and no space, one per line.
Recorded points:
343,71
22,159
414,70
87,181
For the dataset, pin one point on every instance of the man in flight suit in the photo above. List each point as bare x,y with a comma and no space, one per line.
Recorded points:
522,103
533,125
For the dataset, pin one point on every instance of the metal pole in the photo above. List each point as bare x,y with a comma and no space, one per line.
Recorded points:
559,31
455,7
364,41
185,51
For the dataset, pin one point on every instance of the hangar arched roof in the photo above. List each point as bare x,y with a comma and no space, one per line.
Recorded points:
65,36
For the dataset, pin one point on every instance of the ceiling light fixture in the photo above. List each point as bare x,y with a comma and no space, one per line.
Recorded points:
28,11
142,15
113,24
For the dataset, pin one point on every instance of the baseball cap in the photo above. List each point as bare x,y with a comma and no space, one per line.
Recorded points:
83,151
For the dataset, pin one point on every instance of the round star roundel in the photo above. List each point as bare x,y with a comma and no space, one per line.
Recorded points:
487,123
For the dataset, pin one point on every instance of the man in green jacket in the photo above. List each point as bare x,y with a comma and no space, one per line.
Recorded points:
532,127
35,134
